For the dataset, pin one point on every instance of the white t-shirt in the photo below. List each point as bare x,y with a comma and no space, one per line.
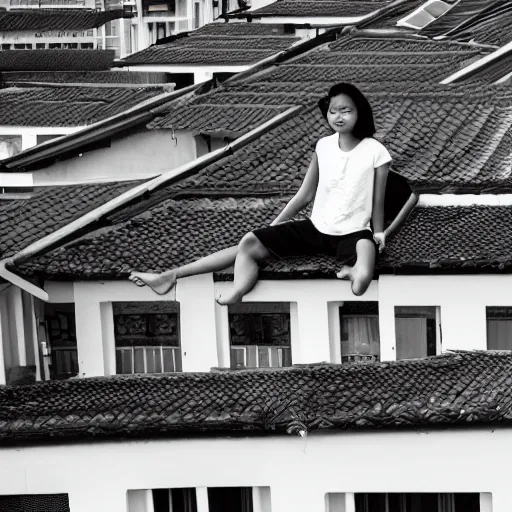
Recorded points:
344,197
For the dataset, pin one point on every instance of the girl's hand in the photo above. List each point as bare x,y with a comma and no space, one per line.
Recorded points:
380,240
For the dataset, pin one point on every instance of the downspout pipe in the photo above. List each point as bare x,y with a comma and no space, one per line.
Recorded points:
63,234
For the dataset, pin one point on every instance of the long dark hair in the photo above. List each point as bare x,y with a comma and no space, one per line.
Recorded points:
365,126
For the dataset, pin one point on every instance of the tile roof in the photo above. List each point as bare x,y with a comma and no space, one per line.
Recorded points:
399,45
56,19
378,74
481,21
193,228
444,238
212,119
26,220
238,29
454,237
56,60
442,139
67,106
495,70
85,77
217,46
337,8
369,62
450,390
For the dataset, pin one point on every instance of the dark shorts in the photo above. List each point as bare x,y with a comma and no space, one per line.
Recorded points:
301,238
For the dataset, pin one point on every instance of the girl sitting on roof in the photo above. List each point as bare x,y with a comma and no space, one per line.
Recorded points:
346,179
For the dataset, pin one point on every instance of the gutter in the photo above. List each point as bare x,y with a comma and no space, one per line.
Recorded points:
61,235
97,130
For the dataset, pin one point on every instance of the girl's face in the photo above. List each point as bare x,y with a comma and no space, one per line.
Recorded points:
342,114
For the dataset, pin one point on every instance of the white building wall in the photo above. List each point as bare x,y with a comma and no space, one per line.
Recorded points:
126,159
204,326
298,471
314,311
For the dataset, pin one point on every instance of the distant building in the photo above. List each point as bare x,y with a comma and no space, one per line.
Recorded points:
27,25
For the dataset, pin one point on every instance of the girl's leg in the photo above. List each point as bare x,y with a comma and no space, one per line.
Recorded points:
361,274
250,252
162,283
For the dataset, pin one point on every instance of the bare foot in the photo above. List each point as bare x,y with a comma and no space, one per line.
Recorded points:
159,283
345,273
227,298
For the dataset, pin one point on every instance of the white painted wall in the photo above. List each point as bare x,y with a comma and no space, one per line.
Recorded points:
462,300
142,155
299,471
203,324
314,306
201,73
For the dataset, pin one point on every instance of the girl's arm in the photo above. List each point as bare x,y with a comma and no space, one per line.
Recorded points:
402,214
379,193
304,196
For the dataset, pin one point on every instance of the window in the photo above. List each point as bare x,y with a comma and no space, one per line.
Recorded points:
230,499
160,30
23,46
86,46
162,500
110,29
70,46
156,7
16,192
499,328
61,336
6,47
418,331
197,14
54,45
177,500
417,502
260,335
147,337
359,326
40,46
9,145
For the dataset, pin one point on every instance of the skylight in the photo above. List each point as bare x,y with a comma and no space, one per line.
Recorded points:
426,14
